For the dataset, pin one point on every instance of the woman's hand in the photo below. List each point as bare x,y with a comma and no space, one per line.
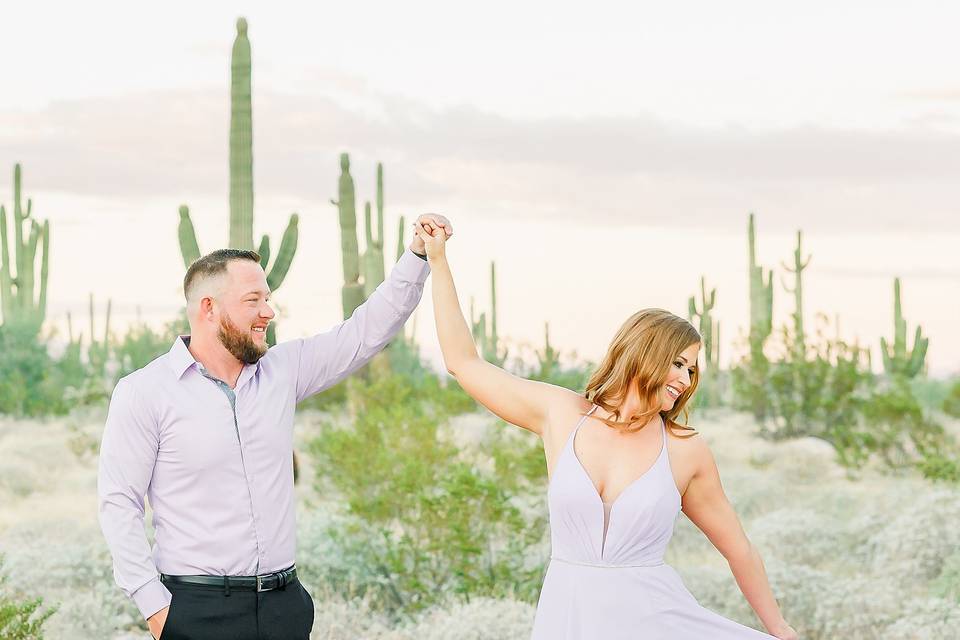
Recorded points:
433,235
431,221
785,632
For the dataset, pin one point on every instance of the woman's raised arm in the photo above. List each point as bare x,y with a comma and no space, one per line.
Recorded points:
525,403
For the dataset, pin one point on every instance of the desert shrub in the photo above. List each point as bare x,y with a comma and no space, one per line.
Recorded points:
402,359
29,380
518,458
20,618
76,575
951,401
831,394
947,584
423,524
139,345
807,395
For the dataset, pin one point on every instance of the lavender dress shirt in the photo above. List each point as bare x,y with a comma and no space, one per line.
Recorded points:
219,474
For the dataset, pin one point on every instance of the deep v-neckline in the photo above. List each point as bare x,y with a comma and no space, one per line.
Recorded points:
586,475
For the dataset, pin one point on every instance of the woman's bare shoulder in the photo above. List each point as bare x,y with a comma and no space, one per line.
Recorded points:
564,412
686,441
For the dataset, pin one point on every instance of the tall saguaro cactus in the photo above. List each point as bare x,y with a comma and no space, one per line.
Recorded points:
352,290
799,342
17,288
241,181
241,142
761,326
897,359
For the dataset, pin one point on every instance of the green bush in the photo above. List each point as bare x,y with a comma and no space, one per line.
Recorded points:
20,619
951,403
140,345
832,394
426,526
29,380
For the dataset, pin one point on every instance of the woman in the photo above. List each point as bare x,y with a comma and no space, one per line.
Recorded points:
610,525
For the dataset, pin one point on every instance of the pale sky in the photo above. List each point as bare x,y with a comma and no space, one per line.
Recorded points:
605,155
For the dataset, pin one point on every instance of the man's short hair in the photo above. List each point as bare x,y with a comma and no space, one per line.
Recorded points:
213,264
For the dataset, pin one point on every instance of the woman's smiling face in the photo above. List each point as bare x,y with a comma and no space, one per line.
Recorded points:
678,379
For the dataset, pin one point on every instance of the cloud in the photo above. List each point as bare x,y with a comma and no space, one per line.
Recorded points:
618,170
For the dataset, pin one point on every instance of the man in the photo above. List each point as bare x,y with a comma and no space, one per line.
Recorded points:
206,432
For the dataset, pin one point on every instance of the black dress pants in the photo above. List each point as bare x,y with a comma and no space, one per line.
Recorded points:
200,612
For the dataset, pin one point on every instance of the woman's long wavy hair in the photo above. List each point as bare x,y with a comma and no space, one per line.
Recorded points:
641,353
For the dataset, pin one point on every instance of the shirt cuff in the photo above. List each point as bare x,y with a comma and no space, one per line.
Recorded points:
412,268
152,597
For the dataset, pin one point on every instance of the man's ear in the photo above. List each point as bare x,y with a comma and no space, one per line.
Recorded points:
206,306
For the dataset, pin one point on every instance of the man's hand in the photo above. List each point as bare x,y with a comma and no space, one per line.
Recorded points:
430,222
157,621
434,239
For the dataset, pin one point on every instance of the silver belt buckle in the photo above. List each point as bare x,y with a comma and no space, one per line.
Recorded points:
260,585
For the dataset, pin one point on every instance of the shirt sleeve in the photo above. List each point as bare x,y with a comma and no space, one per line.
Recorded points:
327,358
128,454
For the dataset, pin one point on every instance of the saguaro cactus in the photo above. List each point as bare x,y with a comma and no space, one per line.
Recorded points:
241,181
761,300
710,334
706,325
241,142
400,231
17,299
548,358
352,290
761,326
373,273
898,360
799,342
98,354
489,340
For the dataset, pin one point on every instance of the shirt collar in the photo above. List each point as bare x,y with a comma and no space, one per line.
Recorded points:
179,357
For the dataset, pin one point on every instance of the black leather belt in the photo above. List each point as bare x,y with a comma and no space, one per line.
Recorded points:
266,582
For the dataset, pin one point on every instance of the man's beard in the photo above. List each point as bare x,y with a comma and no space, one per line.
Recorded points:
239,343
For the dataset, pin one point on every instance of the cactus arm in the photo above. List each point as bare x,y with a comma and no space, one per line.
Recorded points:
367,221
19,246
915,365
288,247
26,278
44,272
106,326
6,280
189,249
380,205
264,251
400,229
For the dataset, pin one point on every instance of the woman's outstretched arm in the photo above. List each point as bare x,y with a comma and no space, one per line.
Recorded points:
707,506
525,403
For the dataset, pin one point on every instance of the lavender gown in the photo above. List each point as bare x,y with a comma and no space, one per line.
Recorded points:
616,586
